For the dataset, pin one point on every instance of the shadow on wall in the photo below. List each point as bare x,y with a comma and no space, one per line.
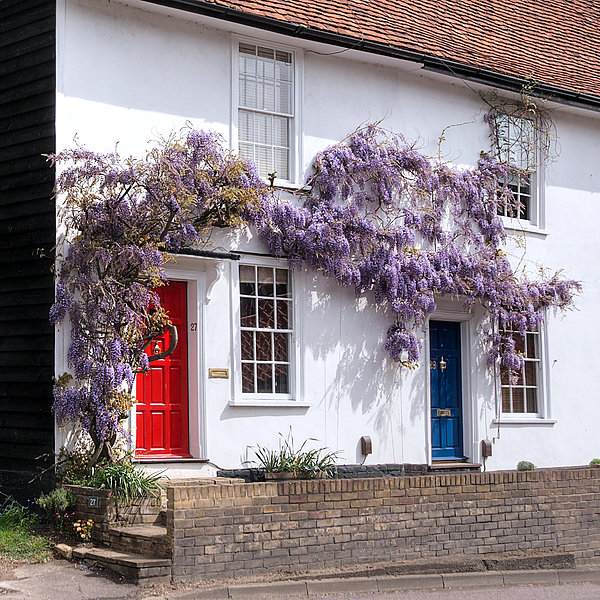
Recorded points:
344,341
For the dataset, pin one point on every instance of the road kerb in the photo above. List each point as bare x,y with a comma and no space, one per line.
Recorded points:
475,580
332,586
287,588
396,583
579,575
540,577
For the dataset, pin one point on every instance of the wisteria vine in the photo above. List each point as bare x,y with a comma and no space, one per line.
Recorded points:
122,219
404,230
376,215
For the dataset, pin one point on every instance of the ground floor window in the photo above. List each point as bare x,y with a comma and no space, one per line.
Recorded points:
266,329
523,396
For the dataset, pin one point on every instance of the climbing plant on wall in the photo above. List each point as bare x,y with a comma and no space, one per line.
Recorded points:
376,215
121,220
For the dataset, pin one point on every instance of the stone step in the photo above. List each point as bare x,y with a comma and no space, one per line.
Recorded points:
145,539
142,570
454,467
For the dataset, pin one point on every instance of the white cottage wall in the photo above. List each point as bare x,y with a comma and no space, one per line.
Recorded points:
129,74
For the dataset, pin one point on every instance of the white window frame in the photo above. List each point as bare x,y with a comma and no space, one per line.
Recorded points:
536,221
295,397
295,152
542,416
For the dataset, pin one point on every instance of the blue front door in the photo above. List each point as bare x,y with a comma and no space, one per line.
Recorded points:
446,396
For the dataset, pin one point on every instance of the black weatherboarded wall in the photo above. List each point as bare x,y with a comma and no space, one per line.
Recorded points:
27,234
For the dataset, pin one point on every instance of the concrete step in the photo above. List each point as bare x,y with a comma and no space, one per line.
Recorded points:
142,570
146,539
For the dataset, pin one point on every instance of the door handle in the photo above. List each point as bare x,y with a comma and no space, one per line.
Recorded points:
442,364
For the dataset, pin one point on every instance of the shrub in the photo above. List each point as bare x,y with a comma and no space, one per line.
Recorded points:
56,502
595,462
525,465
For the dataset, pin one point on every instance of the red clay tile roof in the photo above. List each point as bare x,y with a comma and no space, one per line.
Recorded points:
552,42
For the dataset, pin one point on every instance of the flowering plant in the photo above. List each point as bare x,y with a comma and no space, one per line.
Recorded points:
377,215
121,219
83,529
404,230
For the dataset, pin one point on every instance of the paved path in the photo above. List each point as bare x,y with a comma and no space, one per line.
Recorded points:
62,580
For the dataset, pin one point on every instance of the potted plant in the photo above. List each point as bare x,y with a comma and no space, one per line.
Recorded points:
288,463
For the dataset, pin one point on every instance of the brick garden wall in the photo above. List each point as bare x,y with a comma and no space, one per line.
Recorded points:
236,529
110,511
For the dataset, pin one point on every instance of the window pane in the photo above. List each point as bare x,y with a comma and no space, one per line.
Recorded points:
266,317
532,345
265,281
246,126
264,376
248,312
281,346
519,343
263,346
247,345
247,284
249,92
263,133
281,163
281,379
283,284
518,400
247,151
530,373
283,98
506,400
532,401
264,160
283,315
248,378
247,48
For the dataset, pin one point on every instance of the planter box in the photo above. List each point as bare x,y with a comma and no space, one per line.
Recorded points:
289,475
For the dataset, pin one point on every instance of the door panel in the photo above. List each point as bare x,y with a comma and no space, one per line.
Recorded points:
446,390
162,393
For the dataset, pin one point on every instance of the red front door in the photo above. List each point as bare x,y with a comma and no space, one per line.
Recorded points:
162,392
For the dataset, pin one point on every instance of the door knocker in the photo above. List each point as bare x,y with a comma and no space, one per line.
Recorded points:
442,364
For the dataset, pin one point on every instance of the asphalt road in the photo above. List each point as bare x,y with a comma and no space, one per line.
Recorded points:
61,580
586,591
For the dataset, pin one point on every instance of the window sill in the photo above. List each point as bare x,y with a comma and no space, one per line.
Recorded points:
286,185
523,421
267,403
518,226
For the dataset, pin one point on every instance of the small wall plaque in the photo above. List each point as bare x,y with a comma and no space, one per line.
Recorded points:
93,502
218,373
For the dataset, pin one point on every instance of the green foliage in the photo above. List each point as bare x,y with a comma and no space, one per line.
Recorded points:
525,465
127,481
302,463
56,501
17,541
595,462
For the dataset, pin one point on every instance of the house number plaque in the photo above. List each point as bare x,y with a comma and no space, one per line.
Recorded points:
444,412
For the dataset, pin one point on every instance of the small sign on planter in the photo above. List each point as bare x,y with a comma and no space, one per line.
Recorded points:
93,501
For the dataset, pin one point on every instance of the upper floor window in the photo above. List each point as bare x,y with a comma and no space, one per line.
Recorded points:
524,395
266,109
517,144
